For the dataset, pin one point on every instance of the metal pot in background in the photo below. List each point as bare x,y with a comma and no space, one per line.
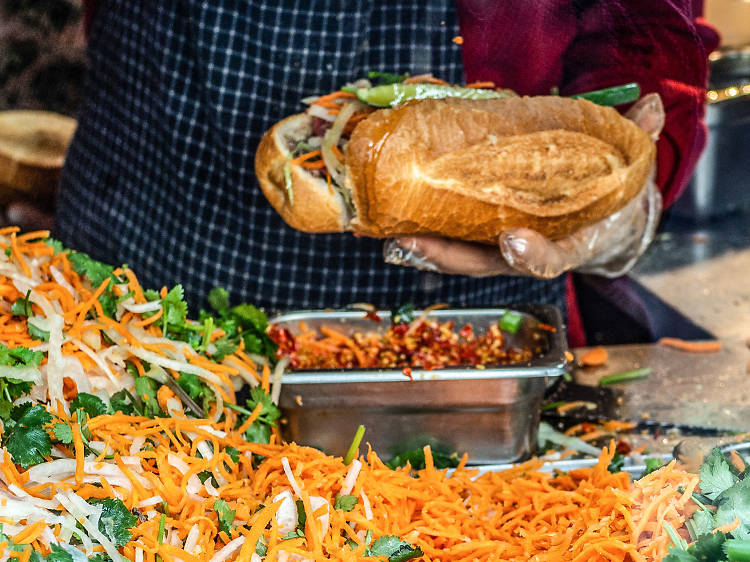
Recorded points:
721,182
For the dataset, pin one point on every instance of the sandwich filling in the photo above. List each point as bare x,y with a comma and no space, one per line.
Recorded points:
320,148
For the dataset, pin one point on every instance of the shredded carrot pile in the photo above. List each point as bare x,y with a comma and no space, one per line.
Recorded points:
199,489
658,498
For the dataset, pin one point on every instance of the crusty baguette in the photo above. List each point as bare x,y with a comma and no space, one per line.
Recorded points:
469,169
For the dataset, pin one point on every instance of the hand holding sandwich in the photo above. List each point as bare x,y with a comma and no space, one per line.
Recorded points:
554,183
609,247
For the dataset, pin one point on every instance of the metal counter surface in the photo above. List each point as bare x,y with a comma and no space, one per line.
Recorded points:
703,271
708,390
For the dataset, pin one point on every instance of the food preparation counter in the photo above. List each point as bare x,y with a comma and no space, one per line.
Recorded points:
703,273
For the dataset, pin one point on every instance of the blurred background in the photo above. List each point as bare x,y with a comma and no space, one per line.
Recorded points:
42,67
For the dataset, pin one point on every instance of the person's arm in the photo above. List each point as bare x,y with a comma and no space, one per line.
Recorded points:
576,46
586,45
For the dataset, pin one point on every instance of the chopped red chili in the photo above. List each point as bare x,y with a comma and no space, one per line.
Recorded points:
424,343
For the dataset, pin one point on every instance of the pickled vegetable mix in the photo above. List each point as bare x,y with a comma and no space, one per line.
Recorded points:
124,438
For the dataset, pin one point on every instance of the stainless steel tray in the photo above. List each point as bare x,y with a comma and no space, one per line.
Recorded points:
492,413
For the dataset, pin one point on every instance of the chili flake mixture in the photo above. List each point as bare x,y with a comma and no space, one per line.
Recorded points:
424,343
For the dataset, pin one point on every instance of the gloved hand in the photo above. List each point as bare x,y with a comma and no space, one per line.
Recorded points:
609,247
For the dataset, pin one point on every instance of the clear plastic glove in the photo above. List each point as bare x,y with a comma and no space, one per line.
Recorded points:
609,247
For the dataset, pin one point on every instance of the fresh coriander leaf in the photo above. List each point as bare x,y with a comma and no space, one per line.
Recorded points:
403,314
198,390
218,299
677,555
174,306
63,433
345,502
122,401
26,440
55,245
709,547
151,295
30,415
194,386
96,271
652,464
395,549
28,445
225,516
701,522
253,322
253,343
116,520
269,411
617,462
22,306
10,389
417,460
205,475
108,302
37,333
716,474
92,405
250,316
59,554
146,389
20,356
293,535
240,323
735,503
225,345
233,453
258,432
100,557
5,405
261,548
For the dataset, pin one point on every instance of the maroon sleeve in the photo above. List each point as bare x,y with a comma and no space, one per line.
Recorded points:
590,44
90,7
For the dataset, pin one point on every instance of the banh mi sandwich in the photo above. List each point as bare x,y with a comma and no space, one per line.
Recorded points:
421,157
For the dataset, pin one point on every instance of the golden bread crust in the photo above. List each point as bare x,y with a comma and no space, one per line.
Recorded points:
469,169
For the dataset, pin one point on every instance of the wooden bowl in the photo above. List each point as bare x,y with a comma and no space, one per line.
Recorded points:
33,145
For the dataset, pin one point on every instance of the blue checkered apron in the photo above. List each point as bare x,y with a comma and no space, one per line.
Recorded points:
160,172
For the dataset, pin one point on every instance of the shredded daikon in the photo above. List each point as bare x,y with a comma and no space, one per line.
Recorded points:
351,477
231,547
